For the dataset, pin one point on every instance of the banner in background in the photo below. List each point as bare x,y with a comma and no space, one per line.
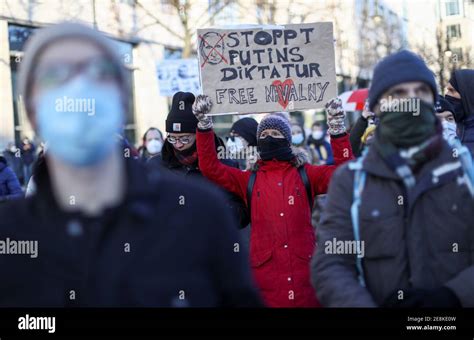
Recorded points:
178,75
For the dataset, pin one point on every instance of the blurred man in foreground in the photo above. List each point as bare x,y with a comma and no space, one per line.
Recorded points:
98,232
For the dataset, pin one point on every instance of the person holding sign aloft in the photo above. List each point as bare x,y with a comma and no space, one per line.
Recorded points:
279,192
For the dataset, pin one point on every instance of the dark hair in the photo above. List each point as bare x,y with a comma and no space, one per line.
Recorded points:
151,129
301,127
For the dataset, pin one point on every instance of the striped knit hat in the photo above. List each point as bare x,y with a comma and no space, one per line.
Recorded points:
276,122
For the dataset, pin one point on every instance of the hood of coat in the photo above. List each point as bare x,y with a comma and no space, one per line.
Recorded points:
300,159
169,158
465,83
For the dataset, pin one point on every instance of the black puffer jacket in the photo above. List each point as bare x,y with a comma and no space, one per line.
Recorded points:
10,188
357,132
167,163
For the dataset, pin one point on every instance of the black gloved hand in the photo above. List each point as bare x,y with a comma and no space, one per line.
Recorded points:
442,297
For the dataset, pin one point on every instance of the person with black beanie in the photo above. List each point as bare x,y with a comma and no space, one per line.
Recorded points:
179,155
460,93
247,129
242,141
445,112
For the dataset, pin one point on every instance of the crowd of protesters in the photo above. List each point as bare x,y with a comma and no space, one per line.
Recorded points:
382,216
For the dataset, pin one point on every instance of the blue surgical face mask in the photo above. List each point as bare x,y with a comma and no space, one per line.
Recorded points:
80,120
449,130
297,139
317,134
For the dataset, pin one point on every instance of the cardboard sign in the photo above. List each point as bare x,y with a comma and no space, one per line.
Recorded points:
268,68
178,75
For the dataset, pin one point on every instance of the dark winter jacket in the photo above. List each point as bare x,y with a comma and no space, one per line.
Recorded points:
28,153
153,250
10,188
282,239
357,132
465,84
15,163
421,239
321,151
167,162
144,155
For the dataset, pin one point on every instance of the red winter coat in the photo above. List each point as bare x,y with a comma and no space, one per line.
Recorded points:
282,239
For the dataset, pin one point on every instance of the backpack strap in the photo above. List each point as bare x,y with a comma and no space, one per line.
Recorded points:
250,185
359,182
466,162
307,185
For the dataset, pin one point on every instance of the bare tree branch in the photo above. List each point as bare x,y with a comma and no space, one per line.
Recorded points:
158,21
216,8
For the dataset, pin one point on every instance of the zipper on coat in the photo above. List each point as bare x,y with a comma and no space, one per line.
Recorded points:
406,209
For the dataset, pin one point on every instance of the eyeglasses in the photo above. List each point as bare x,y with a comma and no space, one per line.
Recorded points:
96,69
183,140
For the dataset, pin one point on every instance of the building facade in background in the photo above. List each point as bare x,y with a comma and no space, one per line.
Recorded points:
456,35
148,31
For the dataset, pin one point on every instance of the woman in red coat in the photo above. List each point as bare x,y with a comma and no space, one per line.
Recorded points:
282,239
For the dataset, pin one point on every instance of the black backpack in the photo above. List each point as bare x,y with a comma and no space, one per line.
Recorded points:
303,175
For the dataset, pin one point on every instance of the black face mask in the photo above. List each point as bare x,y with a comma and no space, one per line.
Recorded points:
274,148
405,128
459,113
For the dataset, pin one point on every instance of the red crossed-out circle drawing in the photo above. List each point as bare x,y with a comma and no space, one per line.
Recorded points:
211,47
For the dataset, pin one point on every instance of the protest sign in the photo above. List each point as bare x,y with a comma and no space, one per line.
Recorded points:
267,68
178,75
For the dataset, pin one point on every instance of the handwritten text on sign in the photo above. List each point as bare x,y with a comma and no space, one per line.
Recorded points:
264,69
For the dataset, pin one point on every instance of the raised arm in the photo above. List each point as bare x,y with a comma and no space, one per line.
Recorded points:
231,179
320,175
